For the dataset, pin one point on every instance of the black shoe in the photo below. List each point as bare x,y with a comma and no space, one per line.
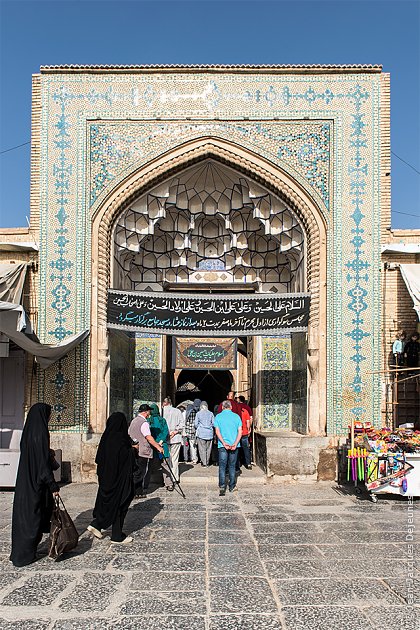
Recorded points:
222,492
170,488
248,467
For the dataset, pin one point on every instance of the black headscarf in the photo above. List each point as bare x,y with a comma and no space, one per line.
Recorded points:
32,505
115,471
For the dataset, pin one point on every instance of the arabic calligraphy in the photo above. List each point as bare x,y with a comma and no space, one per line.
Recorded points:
218,314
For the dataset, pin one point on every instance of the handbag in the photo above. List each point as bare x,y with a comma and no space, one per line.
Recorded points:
63,534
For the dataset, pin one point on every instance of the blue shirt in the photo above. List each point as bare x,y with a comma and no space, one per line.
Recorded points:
228,424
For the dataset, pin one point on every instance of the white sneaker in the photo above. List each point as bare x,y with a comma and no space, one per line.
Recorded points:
127,540
94,531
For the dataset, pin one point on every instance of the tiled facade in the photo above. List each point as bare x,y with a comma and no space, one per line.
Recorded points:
328,131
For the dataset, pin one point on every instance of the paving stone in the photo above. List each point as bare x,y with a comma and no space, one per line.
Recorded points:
287,527
403,618
234,560
360,550
289,551
408,588
320,516
5,546
325,618
331,591
289,538
288,532
226,522
92,592
364,567
73,562
229,537
172,534
169,622
167,582
38,590
371,537
228,595
7,578
158,562
165,546
167,603
25,624
302,568
268,518
83,624
245,622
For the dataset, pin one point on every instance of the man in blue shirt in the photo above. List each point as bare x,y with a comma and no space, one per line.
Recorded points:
228,427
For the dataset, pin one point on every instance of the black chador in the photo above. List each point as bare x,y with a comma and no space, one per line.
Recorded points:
115,460
33,501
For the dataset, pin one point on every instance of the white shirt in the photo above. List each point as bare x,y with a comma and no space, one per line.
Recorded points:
175,422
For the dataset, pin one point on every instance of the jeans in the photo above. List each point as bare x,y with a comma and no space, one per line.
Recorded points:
245,452
227,459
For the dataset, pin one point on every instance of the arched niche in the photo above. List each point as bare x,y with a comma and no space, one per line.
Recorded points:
271,177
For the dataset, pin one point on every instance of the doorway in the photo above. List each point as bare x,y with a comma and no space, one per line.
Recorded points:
209,385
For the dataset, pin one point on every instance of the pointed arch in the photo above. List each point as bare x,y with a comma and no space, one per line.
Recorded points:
273,178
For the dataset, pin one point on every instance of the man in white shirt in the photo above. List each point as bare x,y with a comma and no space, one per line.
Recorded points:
175,421
139,431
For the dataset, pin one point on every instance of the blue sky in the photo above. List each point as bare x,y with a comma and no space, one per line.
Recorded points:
38,33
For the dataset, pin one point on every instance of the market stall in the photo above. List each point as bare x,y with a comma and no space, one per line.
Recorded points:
386,461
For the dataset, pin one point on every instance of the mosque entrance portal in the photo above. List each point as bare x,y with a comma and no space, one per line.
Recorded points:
215,242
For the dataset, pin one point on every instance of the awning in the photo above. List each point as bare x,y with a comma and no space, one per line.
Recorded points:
19,246
17,327
411,276
400,248
12,279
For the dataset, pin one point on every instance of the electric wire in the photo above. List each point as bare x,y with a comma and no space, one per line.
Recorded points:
16,147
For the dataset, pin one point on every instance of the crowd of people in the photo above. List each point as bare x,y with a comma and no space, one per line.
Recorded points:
125,459
159,438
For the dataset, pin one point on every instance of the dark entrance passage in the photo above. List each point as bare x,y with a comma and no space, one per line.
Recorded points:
210,385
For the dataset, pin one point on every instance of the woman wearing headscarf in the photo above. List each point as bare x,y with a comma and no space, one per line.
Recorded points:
160,432
114,461
190,428
204,425
35,487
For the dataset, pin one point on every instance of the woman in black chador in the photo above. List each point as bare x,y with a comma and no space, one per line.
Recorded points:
35,486
115,459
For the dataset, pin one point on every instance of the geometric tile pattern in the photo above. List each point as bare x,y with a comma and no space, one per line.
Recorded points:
276,380
147,370
98,128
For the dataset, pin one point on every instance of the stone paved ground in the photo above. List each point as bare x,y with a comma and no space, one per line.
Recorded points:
268,557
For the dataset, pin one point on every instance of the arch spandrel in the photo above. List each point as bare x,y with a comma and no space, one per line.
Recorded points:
302,176
273,178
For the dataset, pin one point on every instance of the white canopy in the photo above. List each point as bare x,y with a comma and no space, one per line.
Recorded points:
12,279
15,325
411,275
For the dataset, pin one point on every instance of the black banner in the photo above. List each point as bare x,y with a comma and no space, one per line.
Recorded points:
210,315
195,353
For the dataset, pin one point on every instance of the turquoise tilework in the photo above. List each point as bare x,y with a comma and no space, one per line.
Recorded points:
335,156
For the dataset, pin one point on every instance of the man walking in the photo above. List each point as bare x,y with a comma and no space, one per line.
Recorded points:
175,421
228,427
139,431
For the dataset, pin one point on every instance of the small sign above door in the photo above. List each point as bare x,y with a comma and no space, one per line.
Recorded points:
204,354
